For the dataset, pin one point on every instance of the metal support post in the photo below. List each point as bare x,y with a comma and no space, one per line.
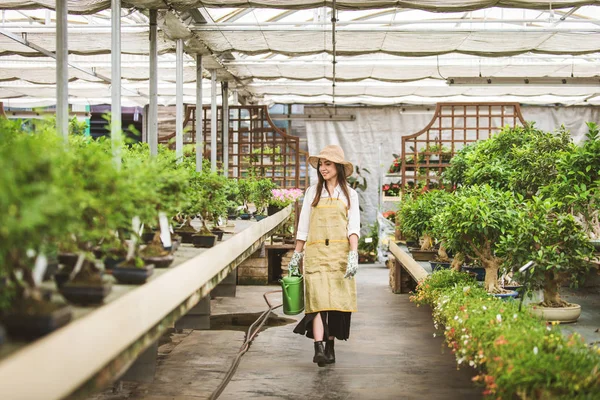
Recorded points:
179,102
62,70
213,120
199,115
153,108
236,169
225,130
115,119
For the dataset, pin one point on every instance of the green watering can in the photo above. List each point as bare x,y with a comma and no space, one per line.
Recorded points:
293,294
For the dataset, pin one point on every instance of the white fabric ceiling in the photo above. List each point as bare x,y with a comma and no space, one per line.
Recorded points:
387,52
91,6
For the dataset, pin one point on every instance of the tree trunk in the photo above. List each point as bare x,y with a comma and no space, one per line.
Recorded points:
442,255
427,242
491,275
552,291
458,261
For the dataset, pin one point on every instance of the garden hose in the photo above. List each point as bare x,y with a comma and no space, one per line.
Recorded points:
250,335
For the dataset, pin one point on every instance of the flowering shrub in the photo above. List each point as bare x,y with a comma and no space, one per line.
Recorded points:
391,189
517,354
284,197
390,215
396,166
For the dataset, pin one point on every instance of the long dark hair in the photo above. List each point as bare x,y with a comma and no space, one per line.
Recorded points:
341,179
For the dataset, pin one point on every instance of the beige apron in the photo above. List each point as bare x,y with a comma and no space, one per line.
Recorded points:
326,258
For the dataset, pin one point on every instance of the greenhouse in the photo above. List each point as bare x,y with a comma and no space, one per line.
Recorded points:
189,187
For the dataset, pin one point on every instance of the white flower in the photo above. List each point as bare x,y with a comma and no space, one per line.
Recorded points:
548,328
455,317
499,317
471,363
433,334
466,342
30,253
515,316
466,289
484,307
535,350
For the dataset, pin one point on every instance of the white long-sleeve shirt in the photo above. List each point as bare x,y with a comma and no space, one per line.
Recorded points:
309,196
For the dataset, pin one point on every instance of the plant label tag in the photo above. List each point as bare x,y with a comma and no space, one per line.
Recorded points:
41,263
77,266
171,229
369,240
165,235
221,221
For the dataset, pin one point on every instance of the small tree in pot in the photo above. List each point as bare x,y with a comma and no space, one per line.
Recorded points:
473,224
554,241
262,195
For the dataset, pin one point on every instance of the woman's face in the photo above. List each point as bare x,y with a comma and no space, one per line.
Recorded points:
327,169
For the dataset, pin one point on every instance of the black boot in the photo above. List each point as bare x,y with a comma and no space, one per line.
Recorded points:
330,351
319,357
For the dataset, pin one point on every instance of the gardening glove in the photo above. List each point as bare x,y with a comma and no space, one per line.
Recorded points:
352,267
293,266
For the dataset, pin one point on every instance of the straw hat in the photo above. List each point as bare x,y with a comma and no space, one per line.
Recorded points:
334,154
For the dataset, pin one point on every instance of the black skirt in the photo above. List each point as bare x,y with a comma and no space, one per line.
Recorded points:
335,323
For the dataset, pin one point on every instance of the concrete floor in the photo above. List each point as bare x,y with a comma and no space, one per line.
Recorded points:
391,354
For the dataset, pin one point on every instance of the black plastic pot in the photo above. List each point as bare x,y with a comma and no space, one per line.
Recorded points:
436,265
133,276
111,262
160,262
61,277
260,217
23,326
204,240
480,271
68,259
273,210
218,234
245,217
186,237
85,295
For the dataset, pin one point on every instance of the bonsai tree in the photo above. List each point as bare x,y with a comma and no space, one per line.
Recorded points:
211,197
262,195
246,188
473,224
520,159
416,216
38,207
577,184
554,241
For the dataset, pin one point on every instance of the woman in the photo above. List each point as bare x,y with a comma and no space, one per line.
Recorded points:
328,231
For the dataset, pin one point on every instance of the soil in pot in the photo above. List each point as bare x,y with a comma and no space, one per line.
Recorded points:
30,318
87,288
129,274
155,253
204,240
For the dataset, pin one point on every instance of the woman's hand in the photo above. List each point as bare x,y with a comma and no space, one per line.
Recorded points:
352,267
293,266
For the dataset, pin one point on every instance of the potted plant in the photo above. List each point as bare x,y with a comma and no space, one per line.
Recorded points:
368,244
281,198
473,224
557,245
261,196
246,188
211,200
37,209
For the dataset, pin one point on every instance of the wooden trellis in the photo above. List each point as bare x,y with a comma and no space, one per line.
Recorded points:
256,145
427,153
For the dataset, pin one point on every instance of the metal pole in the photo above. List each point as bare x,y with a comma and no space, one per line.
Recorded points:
153,108
236,168
115,119
213,120
179,102
62,70
199,115
225,104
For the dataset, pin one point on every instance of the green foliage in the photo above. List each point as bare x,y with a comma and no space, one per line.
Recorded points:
520,159
245,189
261,194
417,214
554,240
370,247
488,334
577,185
